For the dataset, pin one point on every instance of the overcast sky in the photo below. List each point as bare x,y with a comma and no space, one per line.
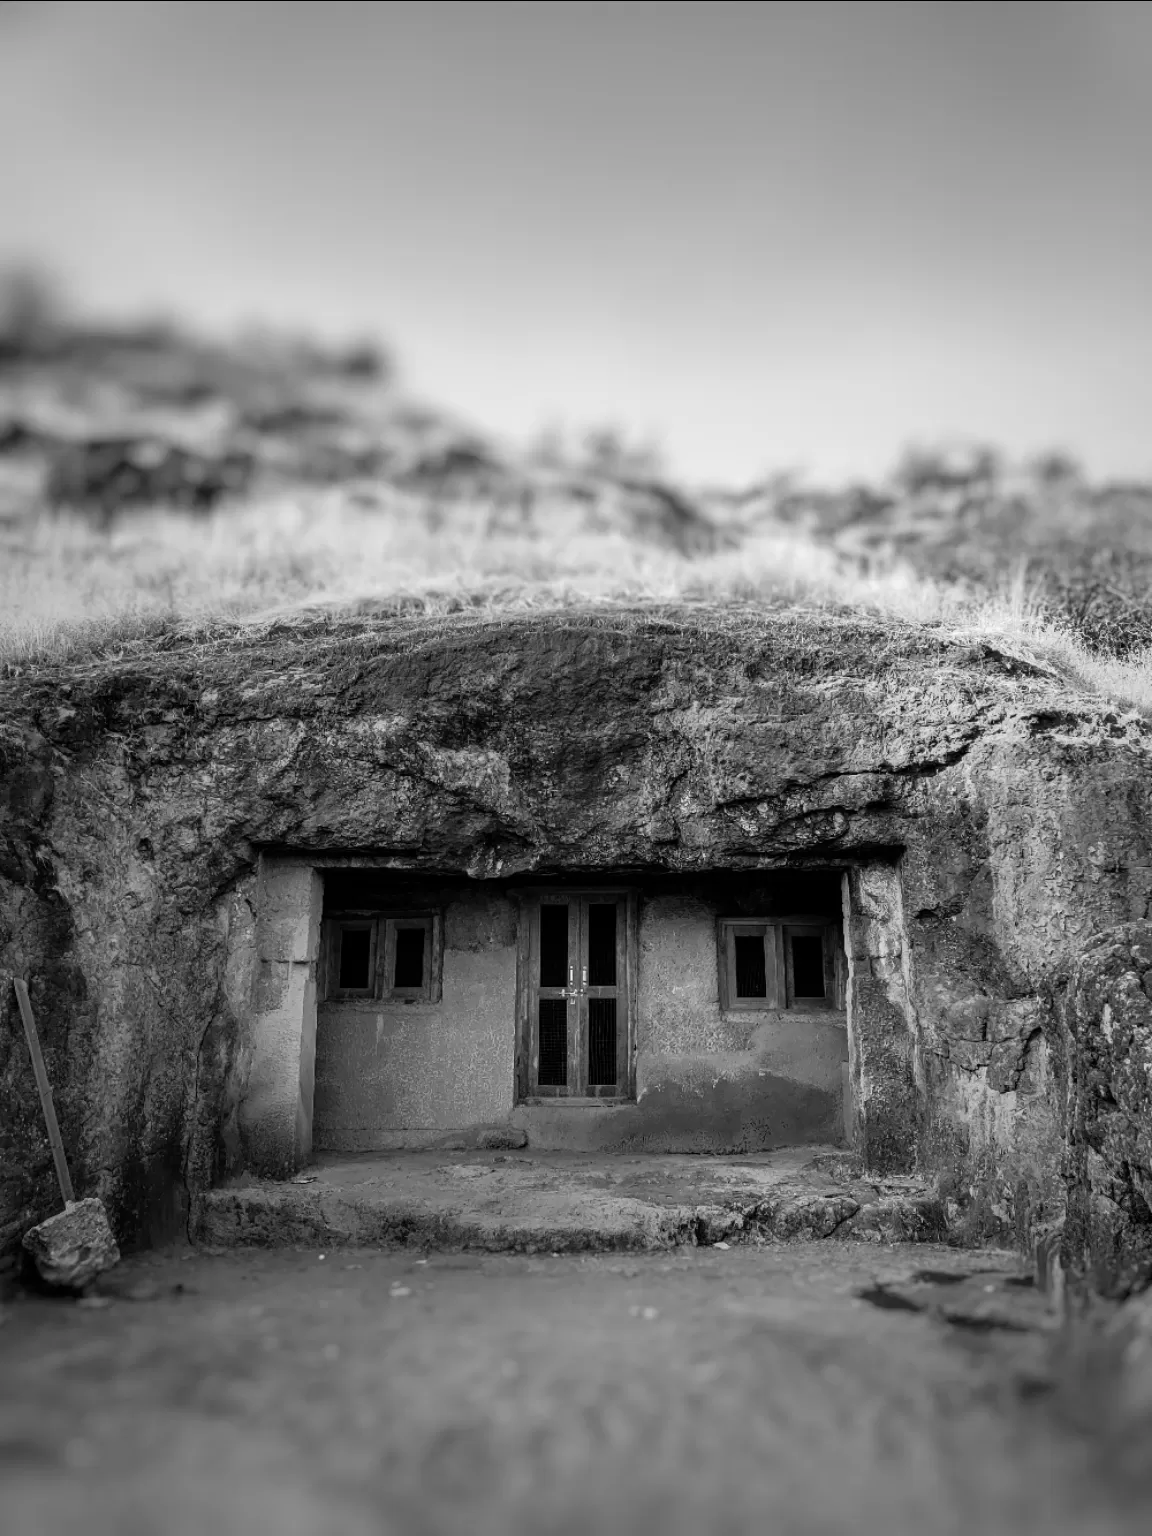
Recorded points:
773,235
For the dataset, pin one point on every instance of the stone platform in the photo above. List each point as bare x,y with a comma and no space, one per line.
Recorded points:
532,1201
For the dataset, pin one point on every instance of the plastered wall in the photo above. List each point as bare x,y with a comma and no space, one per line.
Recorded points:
386,1073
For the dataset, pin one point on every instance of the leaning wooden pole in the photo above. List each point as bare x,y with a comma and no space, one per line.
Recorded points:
45,1090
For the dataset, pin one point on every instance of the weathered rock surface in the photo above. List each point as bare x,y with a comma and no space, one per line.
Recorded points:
73,1247
990,823
1108,1019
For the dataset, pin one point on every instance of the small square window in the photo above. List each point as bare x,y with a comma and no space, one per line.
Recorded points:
749,965
772,965
386,958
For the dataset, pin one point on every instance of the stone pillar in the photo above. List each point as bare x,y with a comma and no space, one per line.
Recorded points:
886,1102
276,1112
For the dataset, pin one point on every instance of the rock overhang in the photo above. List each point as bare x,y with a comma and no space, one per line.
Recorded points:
672,738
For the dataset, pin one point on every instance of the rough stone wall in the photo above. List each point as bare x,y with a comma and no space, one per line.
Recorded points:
1107,1022
883,1025
137,793
126,956
1042,840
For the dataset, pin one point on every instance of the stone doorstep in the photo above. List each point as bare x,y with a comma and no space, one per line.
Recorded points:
574,1205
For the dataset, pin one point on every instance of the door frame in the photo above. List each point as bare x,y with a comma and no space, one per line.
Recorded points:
528,901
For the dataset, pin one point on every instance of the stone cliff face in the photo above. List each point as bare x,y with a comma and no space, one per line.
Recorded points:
1107,1018
990,825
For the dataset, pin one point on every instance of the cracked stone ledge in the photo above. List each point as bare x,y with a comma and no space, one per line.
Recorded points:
271,1215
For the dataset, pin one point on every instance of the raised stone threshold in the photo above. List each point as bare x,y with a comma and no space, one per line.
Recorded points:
557,1202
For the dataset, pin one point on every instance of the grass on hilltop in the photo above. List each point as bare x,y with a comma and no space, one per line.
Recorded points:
67,590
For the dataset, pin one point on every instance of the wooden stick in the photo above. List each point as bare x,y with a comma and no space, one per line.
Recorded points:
45,1091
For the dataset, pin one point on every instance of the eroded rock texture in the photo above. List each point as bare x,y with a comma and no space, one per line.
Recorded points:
1108,1019
988,822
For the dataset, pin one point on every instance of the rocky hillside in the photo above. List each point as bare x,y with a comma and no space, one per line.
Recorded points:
109,422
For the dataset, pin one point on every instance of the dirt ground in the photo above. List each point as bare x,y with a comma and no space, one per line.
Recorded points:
729,1391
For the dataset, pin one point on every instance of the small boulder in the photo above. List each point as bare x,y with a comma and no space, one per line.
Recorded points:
501,1138
73,1247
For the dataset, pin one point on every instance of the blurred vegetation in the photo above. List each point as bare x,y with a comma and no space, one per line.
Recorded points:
201,475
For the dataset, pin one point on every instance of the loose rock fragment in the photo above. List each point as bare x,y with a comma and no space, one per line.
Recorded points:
501,1138
73,1247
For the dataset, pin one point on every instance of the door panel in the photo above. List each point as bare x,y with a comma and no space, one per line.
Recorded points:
553,946
555,937
577,1002
601,1042
601,959
552,1016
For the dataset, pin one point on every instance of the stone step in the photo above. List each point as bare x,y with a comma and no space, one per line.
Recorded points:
556,1220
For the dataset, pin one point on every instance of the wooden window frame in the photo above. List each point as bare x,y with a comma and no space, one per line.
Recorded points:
780,989
390,926
335,948
384,926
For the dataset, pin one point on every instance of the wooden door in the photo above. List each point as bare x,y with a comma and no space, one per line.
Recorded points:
577,996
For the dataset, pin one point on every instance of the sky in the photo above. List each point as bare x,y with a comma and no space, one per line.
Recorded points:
766,236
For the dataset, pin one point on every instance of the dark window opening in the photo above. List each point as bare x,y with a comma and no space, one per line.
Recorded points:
553,1068
751,974
409,970
355,959
602,1041
807,966
602,947
553,946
